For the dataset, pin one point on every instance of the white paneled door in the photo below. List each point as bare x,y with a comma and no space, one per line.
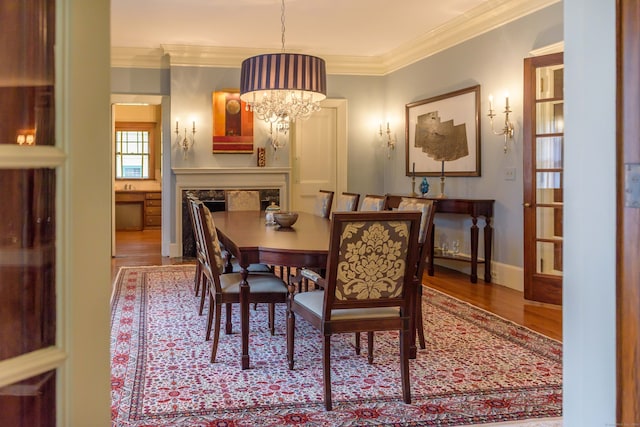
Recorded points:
319,155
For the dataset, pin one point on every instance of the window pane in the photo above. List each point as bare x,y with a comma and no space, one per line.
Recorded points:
132,154
549,152
27,261
27,38
29,403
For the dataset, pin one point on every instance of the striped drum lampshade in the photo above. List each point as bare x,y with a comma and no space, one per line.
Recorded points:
280,85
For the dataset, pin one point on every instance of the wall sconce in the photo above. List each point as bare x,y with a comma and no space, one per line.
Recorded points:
27,137
508,129
391,141
187,141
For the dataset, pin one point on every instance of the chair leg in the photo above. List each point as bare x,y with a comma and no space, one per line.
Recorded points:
326,370
203,296
197,278
404,364
216,330
291,330
419,323
272,316
210,317
357,344
228,329
370,347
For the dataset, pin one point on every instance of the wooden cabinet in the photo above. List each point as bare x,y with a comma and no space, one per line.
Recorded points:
137,210
153,210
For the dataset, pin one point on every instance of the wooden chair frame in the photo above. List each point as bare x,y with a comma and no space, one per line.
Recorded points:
329,321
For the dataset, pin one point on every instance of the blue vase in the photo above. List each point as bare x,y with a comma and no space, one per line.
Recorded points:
424,186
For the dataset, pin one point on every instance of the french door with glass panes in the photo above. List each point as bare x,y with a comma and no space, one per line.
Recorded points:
543,128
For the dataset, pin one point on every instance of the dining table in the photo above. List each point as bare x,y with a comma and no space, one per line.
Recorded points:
248,237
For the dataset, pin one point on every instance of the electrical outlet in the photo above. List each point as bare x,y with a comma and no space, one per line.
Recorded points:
509,174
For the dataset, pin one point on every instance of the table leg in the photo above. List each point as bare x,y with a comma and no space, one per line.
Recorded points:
487,231
432,241
244,316
474,250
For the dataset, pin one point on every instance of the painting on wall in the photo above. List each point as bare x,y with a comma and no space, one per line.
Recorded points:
443,134
232,123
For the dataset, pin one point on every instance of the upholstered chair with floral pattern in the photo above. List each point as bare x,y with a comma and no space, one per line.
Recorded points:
427,212
323,202
368,286
225,288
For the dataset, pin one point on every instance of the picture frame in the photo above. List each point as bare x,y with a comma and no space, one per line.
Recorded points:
232,123
442,134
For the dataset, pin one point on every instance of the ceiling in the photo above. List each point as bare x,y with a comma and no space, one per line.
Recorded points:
379,35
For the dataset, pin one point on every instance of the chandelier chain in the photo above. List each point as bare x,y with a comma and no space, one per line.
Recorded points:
282,21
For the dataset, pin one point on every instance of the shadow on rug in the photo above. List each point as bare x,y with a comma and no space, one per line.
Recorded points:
477,368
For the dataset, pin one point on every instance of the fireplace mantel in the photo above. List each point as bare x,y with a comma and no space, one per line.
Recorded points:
250,178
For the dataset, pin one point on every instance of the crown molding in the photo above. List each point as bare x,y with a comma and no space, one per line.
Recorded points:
138,57
475,22
546,50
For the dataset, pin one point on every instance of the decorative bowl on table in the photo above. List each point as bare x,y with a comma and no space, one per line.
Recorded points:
285,219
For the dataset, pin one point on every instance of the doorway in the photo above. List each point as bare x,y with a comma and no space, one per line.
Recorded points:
319,154
136,173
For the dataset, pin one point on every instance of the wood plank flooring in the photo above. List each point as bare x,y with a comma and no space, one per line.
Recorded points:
143,248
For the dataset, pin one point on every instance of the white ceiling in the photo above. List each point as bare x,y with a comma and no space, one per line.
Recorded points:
343,30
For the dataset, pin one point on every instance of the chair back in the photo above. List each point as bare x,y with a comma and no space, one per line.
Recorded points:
206,231
372,202
347,202
322,207
371,261
427,210
242,200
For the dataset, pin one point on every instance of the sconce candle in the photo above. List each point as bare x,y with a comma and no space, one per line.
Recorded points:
490,102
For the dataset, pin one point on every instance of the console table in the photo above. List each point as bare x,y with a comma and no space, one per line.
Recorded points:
474,208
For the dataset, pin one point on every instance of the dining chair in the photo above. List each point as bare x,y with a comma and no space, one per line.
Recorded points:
231,264
427,213
225,288
361,293
373,202
242,200
347,202
323,202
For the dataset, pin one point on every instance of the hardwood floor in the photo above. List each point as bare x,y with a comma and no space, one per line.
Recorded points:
143,248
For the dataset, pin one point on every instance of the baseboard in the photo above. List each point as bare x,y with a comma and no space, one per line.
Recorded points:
506,275
175,250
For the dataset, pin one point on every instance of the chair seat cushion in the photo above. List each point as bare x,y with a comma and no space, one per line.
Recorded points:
259,283
314,300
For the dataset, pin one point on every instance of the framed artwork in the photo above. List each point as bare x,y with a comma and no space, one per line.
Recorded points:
443,134
232,123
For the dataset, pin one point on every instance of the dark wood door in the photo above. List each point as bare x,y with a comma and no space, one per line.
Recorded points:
543,138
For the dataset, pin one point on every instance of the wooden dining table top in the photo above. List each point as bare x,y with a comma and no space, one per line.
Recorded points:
247,236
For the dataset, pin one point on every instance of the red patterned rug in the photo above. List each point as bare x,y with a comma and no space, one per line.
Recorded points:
477,368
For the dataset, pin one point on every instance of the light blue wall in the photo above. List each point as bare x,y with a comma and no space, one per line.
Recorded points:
495,62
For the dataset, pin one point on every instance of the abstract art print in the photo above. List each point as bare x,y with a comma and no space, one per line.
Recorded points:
232,123
443,134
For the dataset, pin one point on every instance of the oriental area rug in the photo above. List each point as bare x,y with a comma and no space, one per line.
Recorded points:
477,369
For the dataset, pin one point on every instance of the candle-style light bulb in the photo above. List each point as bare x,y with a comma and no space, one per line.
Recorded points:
490,102
194,127
506,100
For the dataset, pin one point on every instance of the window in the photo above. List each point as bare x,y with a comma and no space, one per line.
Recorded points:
134,150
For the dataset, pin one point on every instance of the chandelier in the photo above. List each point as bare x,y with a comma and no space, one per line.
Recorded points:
280,87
